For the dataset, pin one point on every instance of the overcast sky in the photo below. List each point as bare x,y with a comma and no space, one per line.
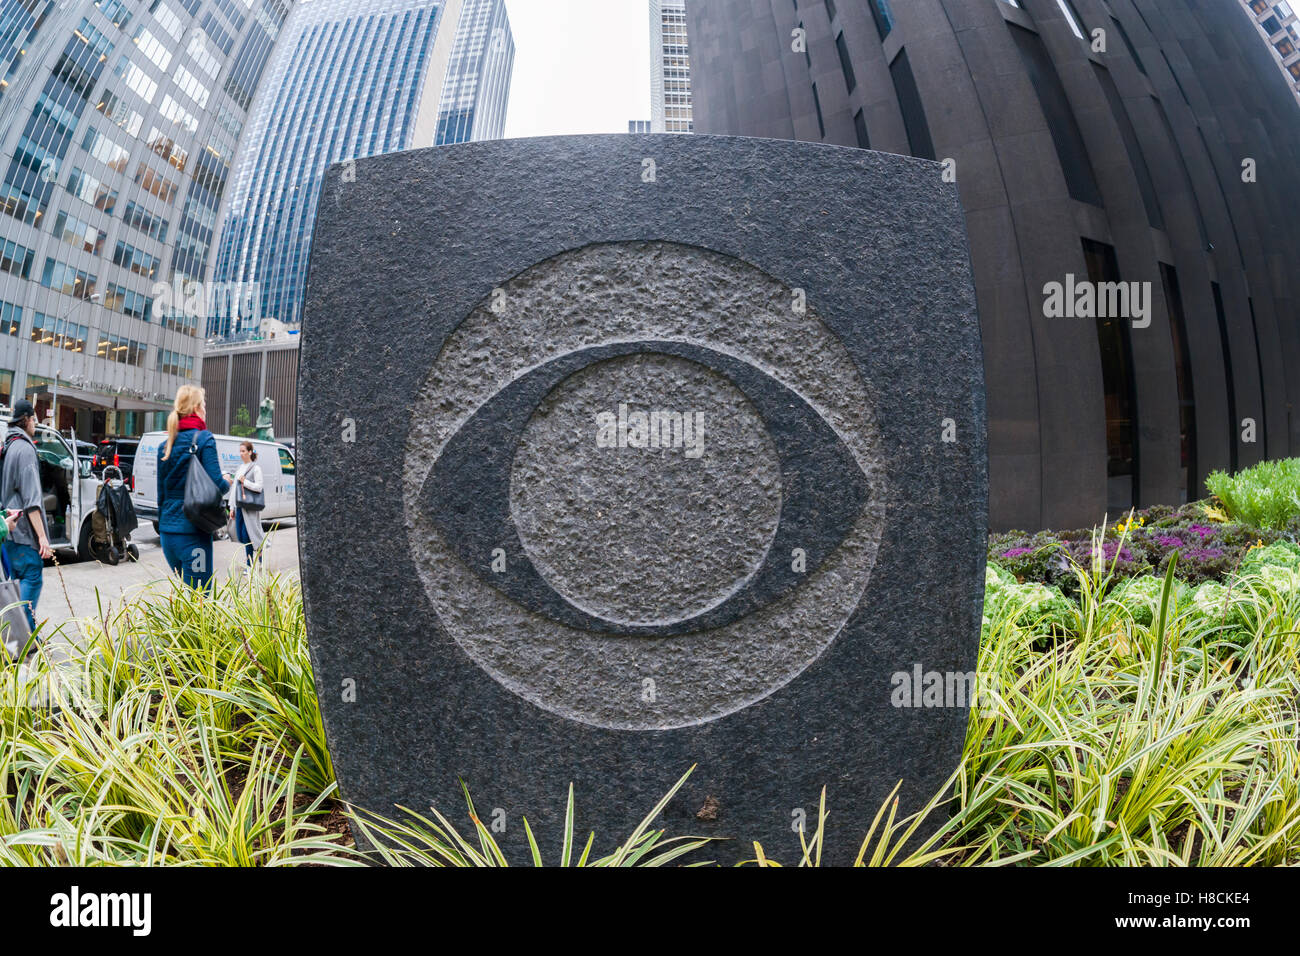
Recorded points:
581,66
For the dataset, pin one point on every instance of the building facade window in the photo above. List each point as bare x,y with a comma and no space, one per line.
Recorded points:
1071,17
883,15
91,190
1226,347
1071,149
118,113
136,79
155,183
909,101
115,11
107,151
11,318
129,257
860,130
174,363
846,65
153,48
79,234
58,333
155,227
69,280
1186,388
1119,388
121,299
115,348
16,259
1137,159
1261,430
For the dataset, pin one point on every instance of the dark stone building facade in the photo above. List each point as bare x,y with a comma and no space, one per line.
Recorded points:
1135,141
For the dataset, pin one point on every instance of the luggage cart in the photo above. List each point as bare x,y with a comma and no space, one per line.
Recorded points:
113,521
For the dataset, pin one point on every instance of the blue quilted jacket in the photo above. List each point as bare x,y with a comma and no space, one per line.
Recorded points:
173,472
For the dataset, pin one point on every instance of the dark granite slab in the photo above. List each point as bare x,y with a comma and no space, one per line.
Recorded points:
620,454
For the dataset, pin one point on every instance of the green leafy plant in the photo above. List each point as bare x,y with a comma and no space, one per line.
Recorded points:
419,841
243,426
1266,495
185,731
1139,722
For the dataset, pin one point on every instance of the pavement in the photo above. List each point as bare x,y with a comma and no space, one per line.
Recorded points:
76,588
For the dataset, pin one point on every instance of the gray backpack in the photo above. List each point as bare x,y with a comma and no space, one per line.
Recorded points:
14,629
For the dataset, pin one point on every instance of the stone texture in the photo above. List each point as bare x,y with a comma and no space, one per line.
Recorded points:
662,542
521,607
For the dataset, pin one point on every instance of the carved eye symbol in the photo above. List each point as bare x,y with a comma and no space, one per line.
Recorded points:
467,492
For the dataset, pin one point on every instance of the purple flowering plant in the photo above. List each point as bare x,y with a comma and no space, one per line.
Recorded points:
1208,550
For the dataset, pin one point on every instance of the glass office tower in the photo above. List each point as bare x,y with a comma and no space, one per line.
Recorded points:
352,78
477,87
670,68
118,125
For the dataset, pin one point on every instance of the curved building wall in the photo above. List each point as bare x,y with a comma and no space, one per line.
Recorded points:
1113,156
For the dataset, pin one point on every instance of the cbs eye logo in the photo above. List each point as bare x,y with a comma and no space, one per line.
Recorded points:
580,557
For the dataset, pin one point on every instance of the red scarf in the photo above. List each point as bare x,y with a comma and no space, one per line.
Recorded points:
192,421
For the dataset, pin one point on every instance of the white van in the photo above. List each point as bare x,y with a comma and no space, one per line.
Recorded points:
69,488
278,474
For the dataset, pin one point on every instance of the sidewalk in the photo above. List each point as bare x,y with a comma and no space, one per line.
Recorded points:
77,589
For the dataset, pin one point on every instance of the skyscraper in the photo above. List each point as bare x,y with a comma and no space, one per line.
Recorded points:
670,68
477,86
1093,142
353,78
1277,21
118,125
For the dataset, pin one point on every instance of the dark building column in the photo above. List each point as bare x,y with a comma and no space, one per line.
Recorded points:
1133,151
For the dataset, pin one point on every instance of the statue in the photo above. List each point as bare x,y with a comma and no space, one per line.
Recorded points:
266,420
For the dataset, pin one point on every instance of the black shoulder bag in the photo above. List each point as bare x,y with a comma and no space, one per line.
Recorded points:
204,504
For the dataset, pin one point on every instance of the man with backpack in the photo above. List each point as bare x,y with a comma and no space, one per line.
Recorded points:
20,490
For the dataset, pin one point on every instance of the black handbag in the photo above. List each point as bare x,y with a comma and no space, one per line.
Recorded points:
252,500
204,504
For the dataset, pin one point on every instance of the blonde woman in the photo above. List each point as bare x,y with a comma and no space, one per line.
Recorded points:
187,549
247,521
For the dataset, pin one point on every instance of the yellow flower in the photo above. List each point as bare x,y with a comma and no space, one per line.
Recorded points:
1213,513
1129,524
